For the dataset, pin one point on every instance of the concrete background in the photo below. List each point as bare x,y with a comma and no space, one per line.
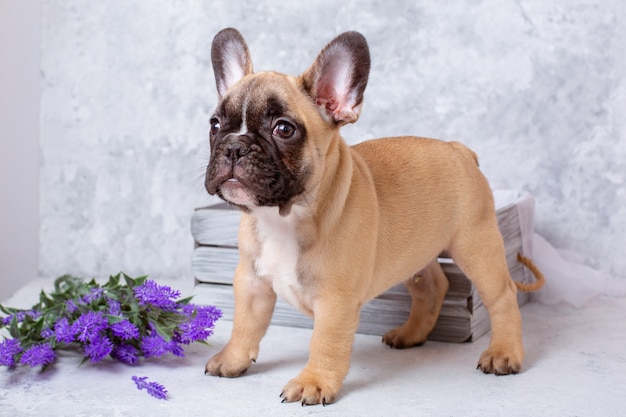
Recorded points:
536,88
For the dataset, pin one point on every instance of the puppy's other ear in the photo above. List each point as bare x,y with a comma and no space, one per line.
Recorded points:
231,59
338,77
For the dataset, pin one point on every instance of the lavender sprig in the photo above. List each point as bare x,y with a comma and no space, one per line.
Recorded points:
9,349
126,319
153,388
38,355
161,296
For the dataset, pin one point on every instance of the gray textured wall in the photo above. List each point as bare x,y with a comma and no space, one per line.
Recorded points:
535,87
19,144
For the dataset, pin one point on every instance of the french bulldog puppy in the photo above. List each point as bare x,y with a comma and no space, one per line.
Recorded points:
327,226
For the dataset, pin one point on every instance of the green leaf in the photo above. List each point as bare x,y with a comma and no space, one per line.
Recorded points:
185,301
85,359
44,300
65,283
14,330
58,298
113,282
131,282
114,319
58,281
165,332
11,310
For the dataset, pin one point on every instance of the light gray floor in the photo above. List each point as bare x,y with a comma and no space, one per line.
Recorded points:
575,366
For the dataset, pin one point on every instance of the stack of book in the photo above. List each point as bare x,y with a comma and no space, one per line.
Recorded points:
463,317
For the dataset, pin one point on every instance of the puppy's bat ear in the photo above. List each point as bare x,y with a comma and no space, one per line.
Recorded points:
231,59
338,77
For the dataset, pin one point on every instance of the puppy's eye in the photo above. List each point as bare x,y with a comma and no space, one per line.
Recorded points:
215,126
284,130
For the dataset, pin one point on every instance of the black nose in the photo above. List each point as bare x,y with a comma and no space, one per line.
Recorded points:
235,151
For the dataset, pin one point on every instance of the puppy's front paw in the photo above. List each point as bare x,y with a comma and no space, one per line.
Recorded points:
229,363
311,389
500,362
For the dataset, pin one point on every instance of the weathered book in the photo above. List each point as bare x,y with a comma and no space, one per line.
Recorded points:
463,317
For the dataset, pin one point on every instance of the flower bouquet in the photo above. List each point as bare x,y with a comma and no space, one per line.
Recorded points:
126,318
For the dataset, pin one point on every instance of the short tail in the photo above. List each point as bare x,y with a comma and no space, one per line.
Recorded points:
539,278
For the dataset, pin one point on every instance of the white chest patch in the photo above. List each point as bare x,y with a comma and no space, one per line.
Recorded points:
278,259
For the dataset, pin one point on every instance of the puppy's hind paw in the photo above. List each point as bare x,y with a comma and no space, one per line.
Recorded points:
399,338
228,364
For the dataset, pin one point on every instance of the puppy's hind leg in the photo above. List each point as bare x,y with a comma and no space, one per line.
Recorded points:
479,252
428,289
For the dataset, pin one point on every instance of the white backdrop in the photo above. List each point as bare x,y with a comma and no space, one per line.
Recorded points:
19,143
535,87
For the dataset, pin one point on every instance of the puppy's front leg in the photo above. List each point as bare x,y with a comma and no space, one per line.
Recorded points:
254,304
335,324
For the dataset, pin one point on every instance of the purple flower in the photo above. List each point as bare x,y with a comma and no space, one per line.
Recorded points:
89,326
125,353
98,348
115,308
63,331
125,330
162,296
19,316
38,355
94,295
8,349
201,323
175,348
47,332
154,346
34,314
153,388
71,306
